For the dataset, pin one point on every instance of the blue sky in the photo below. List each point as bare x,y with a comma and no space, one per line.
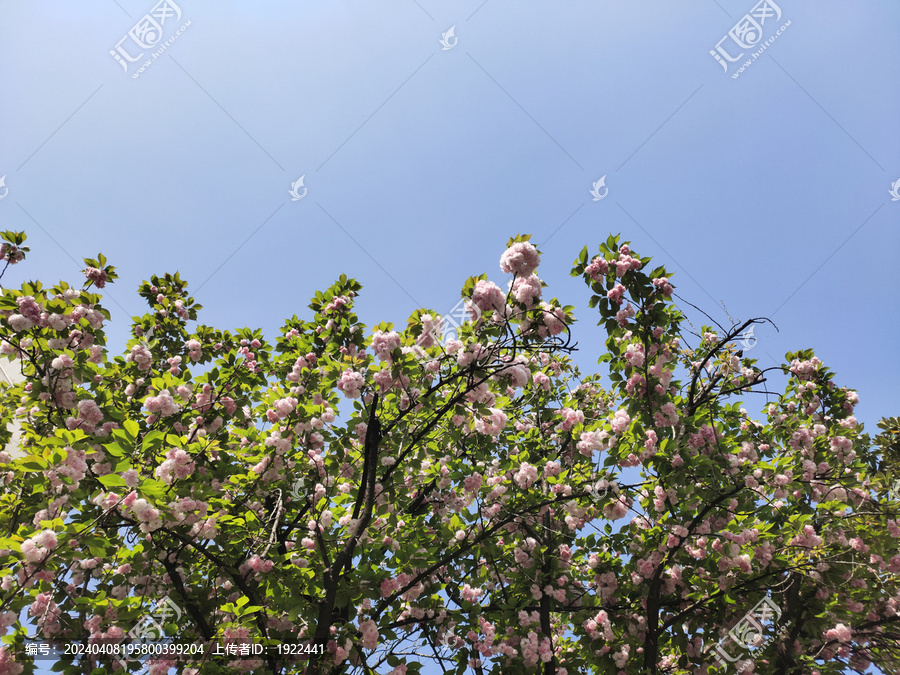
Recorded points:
768,191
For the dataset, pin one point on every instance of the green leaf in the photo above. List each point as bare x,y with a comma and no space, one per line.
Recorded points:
132,428
112,480
115,449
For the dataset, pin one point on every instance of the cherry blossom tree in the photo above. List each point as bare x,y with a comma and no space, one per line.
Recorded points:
379,500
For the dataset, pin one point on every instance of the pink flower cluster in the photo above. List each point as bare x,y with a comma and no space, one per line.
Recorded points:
259,565
518,374
39,545
89,416
141,357
667,416
626,262
534,648
98,277
615,295
281,409
809,538
350,383
522,258
570,418
592,441
805,370
599,627
598,269
470,594
840,632
487,296
525,476
432,330
620,421
554,320
384,344
194,350
493,424
663,286
13,254
143,511
634,355
299,365
162,404
369,632
527,290
178,465
616,509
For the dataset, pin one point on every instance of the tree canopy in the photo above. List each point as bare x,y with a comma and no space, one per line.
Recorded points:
453,492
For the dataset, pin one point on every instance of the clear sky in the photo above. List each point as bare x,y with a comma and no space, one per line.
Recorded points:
768,192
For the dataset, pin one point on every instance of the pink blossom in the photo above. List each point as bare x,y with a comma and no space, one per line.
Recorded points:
487,296
46,539
257,564
89,412
626,263
623,315
98,277
432,331
571,418
518,374
30,309
141,357
470,594
19,323
598,269
285,406
369,631
383,344
522,258
194,350
554,318
840,632
178,465
634,355
663,286
542,380
527,290
620,421
350,383
615,295
493,424
162,403
616,509
525,476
